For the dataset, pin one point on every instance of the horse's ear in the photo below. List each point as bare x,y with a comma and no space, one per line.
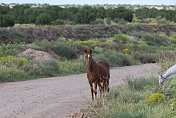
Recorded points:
85,51
90,51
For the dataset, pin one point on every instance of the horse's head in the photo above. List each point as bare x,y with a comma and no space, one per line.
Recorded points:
88,57
162,80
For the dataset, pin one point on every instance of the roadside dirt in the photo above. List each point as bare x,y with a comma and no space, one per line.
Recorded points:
59,97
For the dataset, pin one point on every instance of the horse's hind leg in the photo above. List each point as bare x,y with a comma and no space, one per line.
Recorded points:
91,86
100,88
95,91
108,85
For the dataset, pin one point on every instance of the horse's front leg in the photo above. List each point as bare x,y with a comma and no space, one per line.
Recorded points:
91,86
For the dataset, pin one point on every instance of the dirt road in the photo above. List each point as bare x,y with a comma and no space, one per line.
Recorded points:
58,97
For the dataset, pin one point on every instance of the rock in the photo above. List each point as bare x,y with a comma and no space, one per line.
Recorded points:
38,55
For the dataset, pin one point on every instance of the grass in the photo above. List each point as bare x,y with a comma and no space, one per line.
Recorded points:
35,69
128,101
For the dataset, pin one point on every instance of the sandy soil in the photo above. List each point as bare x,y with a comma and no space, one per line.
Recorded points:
58,97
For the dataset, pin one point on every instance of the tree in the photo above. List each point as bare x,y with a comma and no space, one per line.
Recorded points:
43,19
120,13
100,13
85,15
18,13
4,9
6,21
59,22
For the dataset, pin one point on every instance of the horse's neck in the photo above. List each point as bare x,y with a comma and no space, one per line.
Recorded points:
92,66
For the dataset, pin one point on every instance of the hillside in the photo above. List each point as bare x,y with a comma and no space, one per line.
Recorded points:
29,34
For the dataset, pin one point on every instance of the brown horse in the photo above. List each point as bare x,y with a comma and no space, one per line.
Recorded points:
98,72
105,79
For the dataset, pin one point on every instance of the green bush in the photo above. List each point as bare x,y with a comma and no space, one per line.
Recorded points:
118,60
113,59
11,61
12,75
97,22
42,69
71,67
155,40
65,51
141,83
43,45
127,51
43,19
108,21
150,58
142,45
59,22
49,68
101,56
11,49
145,58
121,38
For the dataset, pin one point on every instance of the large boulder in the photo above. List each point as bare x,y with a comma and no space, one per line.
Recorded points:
38,55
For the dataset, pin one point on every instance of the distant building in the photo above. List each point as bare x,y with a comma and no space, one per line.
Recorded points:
12,5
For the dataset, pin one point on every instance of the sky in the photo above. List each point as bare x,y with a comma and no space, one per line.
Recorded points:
93,2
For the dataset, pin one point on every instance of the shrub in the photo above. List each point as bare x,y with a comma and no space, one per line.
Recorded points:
145,58
101,56
59,22
79,47
43,69
10,61
150,58
43,19
118,60
121,38
43,45
142,45
97,22
71,67
89,43
98,49
113,59
138,56
141,83
127,51
33,69
155,98
11,49
65,51
12,75
108,21
173,37
155,40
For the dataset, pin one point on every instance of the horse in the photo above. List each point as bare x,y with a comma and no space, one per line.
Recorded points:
105,79
98,72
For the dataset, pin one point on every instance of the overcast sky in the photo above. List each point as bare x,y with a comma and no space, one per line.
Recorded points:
91,2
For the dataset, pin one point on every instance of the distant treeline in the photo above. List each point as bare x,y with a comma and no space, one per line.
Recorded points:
153,13
24,14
